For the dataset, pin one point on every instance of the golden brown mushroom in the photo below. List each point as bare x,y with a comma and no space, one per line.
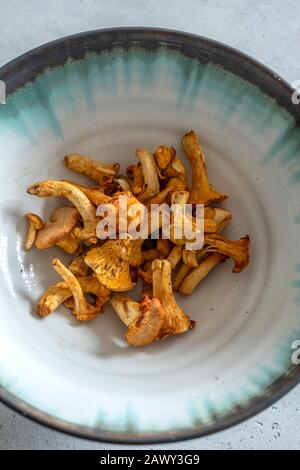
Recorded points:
95,194
169,165
97,171
63,220
144,319
136,255
150,174
215,219
136,173
175,320
80,201
177,170
135,214
189,257
59,293
196,275
202,192
35,223
83,310
164,156
175,255
185,268
122,184
110,262
238,250
174,184
69,244
182,222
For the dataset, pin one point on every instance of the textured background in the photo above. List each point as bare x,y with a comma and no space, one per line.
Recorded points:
270,32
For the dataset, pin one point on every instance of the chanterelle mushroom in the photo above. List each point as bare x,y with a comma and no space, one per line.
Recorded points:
175,320
144,319
150,174
136,173
83,310
181,220
59,293
238,250
78,266
97,171
135,214
95,195
69,244
63,220
110,262
35,223
170,166
164,156
202,192
215,219
80,201
196,275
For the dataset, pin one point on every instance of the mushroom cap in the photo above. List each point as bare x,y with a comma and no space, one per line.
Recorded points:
63,220
164,156
110,262
145,329
36,220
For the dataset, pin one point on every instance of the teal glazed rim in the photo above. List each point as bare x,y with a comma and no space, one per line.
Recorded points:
29,66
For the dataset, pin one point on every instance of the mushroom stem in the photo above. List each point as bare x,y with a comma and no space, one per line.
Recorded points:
97,171
95,195
202,192
175,320
175,255
180,275
196,275
150,174
82,309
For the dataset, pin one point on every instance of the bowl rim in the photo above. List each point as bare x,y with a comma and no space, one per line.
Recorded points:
28,66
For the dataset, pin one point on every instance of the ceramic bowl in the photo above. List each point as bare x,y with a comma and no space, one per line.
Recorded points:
105,93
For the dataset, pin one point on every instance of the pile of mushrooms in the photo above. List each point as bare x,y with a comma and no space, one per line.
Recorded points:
102,272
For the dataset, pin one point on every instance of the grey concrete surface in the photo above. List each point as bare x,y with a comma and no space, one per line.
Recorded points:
268,30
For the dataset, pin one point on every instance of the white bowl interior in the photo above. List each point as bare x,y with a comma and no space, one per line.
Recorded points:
87,374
